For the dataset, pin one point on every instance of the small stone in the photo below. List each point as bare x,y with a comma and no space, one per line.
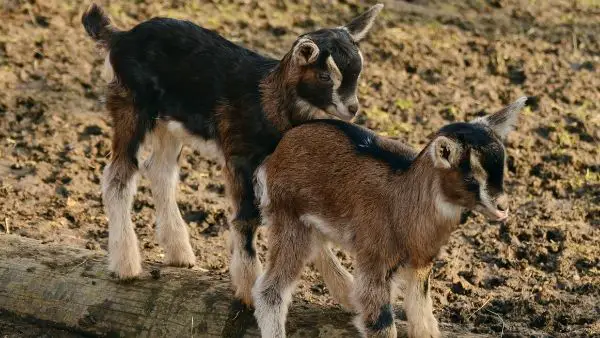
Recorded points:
155,273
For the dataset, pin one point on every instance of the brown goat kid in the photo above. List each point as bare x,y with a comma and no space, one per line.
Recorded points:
392,207
174,83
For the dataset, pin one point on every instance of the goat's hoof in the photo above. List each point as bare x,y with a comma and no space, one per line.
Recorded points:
246,300
423,332
248,304
182,258
127,270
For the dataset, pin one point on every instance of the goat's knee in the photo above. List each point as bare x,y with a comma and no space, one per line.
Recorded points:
118,188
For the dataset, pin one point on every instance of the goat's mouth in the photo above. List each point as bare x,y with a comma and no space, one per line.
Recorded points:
340,112
492,213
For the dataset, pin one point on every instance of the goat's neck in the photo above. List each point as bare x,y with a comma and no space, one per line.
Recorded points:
279,99
423,213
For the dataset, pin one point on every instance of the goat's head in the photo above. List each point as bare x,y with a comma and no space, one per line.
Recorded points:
471,159
324,66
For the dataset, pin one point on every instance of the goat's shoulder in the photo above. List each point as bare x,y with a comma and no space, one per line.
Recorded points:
398,156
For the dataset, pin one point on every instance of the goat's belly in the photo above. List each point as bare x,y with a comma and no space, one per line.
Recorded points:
331,233
207,148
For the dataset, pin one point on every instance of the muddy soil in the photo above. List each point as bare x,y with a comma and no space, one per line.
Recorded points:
427,63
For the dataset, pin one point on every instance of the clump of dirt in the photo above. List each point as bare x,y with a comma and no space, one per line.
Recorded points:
427,63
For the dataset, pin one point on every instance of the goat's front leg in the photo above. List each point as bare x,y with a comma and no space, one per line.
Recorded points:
418,304
245,265
372,296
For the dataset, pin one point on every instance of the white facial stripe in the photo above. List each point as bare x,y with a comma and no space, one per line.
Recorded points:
335,73
481,176
478,171
351,100
362,60
339,105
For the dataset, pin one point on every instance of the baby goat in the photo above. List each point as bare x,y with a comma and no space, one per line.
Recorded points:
389,205
180,83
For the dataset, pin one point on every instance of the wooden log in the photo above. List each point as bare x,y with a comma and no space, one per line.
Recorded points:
69,288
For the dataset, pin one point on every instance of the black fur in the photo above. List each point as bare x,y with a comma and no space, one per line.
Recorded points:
249,243
426,285
96,23
176,70
339,44
464,216
385,319
481,138
365,143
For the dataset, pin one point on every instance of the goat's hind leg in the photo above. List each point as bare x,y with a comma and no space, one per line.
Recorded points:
119,186
336,277
245,265
163,171
290,249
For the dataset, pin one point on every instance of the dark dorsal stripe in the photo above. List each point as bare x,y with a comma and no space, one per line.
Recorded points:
365,143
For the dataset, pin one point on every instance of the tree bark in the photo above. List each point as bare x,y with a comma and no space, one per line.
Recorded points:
70,288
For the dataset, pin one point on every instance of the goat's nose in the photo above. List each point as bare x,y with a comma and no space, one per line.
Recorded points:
353,108
502,203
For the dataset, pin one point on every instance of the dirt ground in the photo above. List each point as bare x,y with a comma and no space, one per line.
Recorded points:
427,63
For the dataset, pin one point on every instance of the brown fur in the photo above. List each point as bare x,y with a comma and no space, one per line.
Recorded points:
392,207
279,96
367,186
404,235
120,107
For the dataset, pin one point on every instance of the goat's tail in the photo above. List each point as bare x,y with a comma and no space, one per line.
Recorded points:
98,26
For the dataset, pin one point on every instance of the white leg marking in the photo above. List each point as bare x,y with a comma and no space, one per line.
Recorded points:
419,309
260,188
271,307
243,269
123,252
163,171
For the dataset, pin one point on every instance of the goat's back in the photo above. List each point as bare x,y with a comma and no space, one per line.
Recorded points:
333,167
182,70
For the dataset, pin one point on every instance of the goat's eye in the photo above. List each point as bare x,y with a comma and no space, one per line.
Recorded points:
325,77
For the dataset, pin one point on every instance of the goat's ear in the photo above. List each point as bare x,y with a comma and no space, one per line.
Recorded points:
504,121
305,52
444,152
360,26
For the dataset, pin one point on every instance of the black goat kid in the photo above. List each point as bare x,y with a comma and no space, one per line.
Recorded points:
176,83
